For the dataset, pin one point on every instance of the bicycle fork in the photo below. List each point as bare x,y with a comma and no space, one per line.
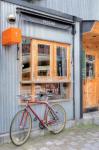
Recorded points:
23,119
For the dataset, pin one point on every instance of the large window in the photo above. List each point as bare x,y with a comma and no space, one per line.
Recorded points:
46,68
54,90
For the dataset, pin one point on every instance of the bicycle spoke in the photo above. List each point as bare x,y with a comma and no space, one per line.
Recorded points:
20,127
56,118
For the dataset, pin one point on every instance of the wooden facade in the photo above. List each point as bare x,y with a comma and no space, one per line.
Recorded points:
91,81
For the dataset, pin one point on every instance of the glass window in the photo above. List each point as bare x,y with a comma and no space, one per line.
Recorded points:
26,89
26,58
44,68
43,60
54,90
61,61
90,66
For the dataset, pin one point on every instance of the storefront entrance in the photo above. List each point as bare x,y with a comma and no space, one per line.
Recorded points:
91,69
91,83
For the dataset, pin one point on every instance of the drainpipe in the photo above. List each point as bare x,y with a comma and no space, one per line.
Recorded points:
73,62
81,80
80,56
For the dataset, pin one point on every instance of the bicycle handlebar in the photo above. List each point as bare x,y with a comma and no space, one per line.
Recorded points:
25,97
39,96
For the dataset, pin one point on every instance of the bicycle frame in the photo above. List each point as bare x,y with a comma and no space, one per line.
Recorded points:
48,107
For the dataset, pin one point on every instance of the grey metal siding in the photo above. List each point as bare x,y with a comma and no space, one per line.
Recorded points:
9,66
9,86
80,8
47,33
95,10
9,81
86,9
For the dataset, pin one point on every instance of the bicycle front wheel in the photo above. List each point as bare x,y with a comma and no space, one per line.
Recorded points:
56,119
20,127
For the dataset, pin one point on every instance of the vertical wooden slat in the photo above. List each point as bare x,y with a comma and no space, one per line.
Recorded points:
51,61
69,63
31,61
55,60
34,60
33,90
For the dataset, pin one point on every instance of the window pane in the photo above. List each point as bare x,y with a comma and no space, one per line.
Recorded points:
26,89
54,90
26,59
90,66
43,60
61,61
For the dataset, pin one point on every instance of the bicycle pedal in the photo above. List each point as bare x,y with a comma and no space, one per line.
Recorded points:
41,126
35,119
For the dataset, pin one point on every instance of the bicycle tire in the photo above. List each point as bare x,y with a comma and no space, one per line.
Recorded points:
60,112
18,132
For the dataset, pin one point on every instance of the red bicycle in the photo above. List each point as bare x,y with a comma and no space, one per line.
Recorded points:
21,125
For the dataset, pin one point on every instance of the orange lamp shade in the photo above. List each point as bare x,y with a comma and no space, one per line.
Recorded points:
11,36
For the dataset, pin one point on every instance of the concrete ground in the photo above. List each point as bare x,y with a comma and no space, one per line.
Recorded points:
83,137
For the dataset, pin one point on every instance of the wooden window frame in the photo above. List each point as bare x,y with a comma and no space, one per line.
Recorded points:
67,47
53,69
35,56
53,78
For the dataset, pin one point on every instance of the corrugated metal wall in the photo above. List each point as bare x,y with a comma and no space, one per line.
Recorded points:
80,8
45,32
9,71
95,10
86,9
8,74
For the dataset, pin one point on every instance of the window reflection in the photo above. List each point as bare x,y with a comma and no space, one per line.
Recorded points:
53,90
43,60
61,61
26,59
90,66
26,89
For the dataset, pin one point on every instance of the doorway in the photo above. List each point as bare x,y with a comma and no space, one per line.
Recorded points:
91,69
91,83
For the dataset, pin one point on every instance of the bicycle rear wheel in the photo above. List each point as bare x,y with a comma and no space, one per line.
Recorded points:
20,127
56,119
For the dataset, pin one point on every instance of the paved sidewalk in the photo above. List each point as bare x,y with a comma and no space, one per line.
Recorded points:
80,138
